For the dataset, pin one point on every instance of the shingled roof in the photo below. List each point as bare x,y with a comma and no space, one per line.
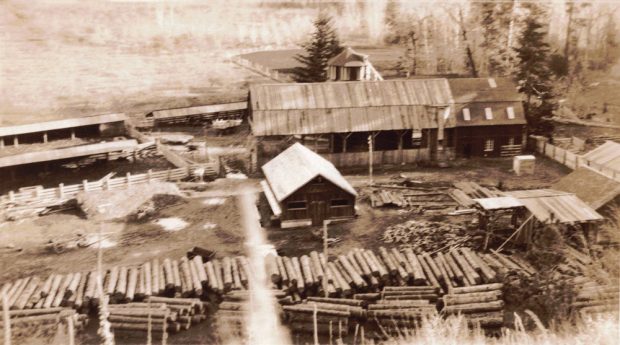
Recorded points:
594,188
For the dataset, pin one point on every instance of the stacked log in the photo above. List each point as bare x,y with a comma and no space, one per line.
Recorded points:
481,305
595,298
332,315
42,321
159,314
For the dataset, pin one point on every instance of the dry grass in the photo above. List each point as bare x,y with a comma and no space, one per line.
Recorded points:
598,330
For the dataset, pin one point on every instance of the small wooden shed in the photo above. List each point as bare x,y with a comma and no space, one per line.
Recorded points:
305,189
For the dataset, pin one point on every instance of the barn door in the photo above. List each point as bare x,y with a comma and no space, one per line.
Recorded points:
318,212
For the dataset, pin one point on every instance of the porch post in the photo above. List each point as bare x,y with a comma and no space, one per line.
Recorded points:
400,146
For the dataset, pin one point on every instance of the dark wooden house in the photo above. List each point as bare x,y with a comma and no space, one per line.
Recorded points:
304,189
490,121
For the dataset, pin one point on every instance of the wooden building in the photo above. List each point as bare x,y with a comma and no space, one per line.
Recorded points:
304,189
489,117
405,118
350,65
95,126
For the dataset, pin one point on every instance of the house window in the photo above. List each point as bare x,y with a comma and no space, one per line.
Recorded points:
466,115
488,113
511,141
339,202
489,145
416,138
296,205
511,112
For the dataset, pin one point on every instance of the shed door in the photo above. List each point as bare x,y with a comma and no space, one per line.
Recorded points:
318,212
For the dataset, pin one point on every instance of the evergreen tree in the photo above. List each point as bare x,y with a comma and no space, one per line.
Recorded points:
534,77
323,45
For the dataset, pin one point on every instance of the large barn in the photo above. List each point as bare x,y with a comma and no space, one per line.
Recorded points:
409,120
405,118
304,189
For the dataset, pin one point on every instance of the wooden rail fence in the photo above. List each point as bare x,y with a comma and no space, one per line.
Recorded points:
68,192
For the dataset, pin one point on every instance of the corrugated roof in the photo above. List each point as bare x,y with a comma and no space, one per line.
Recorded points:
202,109
594,188
339,107
295,167
348,57
61,124
549,206
606,155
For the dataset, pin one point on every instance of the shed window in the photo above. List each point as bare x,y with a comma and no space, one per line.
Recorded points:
416,138
488,113
489,145
339,202
296,205
466,115
511,112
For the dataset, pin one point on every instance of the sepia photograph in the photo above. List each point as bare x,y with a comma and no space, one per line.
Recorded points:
309,172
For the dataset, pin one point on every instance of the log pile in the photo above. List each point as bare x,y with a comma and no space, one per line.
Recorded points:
402,306
159,314
481,304
427,236
419,198
595,298
182,278
332,315
42,322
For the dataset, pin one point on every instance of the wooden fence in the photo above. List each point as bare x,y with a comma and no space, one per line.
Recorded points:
63,192
570,159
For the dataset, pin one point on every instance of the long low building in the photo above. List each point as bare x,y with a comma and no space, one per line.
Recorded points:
405,121
67,153
107,124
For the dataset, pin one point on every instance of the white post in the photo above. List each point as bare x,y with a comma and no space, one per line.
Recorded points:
325,283
85,185
370,147
11,195
61,191
128,179
7,319
44,137
149,173
15,141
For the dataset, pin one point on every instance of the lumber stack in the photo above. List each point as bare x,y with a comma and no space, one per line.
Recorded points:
424,235
42,322
595,298
481,305
159,314
332,315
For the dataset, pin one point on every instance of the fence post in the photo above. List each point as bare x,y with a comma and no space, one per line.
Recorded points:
149,173
11,195
37,192
85,185
61,191
128,179
168,178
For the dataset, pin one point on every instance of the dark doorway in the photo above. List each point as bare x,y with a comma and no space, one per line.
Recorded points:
318,212
467,150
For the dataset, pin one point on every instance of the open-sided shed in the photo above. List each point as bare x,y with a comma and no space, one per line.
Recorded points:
304,188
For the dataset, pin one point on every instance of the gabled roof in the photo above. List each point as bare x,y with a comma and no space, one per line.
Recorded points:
477,94
295,167
594,188
549,206
61,124
340,107
348,58
606,156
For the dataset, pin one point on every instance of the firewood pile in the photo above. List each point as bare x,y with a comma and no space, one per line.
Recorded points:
481,304
42,321
429,236
595,298
157,314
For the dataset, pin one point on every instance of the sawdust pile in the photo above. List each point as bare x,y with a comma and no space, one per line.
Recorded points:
133,202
